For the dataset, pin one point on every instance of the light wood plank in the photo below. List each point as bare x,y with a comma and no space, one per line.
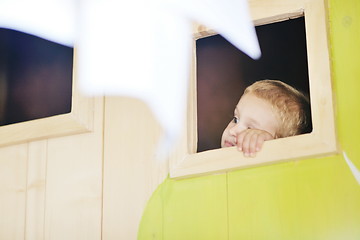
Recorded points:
13,164
74,184
322,107
132,169
35,197
265,11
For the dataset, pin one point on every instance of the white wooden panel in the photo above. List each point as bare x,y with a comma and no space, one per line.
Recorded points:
35,197
13,161
132,169
74,184
265,11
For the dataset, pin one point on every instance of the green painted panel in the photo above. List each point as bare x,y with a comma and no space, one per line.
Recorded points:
151,226
317,199
187,209
308,199
345,56
262,201
196,209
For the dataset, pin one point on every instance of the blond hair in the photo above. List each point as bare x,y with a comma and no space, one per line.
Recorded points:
291,106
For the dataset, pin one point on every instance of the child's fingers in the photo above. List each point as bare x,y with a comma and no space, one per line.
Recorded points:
246,140
259,142
251,141
240,140
253,144
262,137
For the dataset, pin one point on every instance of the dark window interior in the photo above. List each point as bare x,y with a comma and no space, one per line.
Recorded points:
35,77
223,72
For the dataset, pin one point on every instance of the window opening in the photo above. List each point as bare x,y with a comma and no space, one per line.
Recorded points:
35,77
223,72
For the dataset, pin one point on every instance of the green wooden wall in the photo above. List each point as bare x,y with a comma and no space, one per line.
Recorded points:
308,199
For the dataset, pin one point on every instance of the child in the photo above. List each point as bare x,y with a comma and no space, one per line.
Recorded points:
268,109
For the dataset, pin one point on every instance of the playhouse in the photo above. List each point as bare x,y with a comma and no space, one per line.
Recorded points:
92,170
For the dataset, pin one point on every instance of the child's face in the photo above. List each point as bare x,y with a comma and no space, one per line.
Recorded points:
250,112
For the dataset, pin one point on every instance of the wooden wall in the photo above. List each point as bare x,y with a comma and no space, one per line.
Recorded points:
85,186
96,185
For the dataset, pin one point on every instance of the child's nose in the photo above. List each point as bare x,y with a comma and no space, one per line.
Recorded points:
236,129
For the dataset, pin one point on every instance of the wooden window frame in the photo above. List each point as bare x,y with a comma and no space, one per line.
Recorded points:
320,142
79,120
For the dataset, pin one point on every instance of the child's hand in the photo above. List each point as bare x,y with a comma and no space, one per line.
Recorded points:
250,141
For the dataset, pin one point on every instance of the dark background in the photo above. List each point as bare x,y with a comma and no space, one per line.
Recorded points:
223,72
35,77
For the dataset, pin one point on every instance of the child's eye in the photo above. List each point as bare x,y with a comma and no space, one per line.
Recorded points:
235,120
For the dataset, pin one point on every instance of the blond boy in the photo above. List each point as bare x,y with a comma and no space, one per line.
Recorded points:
268,109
